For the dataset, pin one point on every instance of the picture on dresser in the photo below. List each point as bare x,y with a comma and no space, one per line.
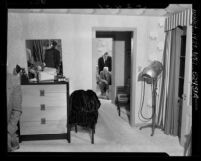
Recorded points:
44,59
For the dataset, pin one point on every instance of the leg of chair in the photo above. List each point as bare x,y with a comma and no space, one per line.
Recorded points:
93,132
92,139
94,127
76,127
119,108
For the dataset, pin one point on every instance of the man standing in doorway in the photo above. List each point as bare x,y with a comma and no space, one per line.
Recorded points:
105,61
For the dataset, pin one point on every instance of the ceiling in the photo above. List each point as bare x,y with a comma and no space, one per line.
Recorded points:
172,8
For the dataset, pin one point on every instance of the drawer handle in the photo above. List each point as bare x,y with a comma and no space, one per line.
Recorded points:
42,107
42,92
43,121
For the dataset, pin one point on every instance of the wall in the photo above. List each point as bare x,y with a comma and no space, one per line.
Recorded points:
152,49
75,31
103,45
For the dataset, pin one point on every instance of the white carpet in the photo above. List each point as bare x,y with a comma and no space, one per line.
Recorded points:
113,134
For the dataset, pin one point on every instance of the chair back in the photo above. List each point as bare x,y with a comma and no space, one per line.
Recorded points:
122,94
84,107
122,90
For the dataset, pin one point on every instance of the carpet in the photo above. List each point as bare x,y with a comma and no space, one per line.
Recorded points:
113,134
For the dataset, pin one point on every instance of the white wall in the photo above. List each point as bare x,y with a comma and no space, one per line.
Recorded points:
103,45
75,31
119,65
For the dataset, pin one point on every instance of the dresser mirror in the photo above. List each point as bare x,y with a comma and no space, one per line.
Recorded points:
44,59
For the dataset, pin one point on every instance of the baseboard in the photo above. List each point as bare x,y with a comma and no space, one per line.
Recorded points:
43,137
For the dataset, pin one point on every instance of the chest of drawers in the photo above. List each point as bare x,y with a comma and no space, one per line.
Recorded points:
45,108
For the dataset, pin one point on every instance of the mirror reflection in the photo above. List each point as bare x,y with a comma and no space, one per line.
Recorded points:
44,59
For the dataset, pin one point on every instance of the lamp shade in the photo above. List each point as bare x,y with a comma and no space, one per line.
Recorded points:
153,70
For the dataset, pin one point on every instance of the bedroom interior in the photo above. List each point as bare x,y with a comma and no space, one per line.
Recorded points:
151,44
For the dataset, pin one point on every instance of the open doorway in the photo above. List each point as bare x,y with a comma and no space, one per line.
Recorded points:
119,45
103,46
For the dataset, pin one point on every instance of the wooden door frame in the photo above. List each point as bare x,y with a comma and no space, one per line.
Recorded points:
133,63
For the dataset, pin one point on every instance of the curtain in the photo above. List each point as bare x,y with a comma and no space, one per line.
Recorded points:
168,115
169,107
38,50
168,102
163,90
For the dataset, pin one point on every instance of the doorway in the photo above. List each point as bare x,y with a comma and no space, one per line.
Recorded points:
121,50
185,84
102,46
182,57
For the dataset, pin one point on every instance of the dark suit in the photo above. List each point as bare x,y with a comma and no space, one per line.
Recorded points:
52,58
102,64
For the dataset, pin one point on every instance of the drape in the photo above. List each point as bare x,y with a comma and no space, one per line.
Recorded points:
168,117
38,50
163,90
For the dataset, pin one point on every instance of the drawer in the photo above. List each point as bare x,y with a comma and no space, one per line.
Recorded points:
50,113
35,90
57,99
35,127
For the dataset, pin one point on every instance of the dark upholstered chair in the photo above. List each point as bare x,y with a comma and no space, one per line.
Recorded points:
84,107
122,97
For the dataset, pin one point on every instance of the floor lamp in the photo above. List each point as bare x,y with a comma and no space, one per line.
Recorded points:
150,75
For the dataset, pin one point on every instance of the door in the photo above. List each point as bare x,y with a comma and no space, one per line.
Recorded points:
182,59
186,120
